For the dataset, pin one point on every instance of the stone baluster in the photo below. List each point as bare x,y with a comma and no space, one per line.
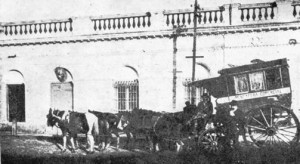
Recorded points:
296,8
25,28
122,22
184,17
257,12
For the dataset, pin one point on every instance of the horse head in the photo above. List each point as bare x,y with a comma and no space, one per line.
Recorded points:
53,117
123,121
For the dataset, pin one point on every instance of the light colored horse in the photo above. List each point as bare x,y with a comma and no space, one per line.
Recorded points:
72,123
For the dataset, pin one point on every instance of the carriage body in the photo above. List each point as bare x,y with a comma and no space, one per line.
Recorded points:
251,85
263,93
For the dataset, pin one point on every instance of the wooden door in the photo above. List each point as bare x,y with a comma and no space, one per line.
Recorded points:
16,102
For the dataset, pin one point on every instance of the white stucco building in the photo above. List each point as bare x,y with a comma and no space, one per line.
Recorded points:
112,62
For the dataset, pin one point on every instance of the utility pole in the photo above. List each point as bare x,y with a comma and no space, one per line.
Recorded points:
194,51
176,31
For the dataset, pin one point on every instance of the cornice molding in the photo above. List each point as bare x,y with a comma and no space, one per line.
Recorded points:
218,30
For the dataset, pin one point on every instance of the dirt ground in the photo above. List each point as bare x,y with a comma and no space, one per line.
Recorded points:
47,149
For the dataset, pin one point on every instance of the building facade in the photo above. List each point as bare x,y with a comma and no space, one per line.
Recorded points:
113,63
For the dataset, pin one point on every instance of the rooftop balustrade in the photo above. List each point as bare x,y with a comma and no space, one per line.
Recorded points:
153,23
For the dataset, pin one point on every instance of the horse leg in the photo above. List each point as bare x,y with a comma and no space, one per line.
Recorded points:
133,139
155,141
108,140
92,121
128,135
91,141
72,144
118,140
64,143
76,142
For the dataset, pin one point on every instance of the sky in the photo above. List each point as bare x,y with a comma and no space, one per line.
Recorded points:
27,10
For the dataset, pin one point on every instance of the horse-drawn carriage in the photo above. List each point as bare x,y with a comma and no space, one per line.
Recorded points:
262,91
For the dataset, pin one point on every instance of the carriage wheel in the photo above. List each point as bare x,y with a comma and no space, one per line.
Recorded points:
211,141
271,124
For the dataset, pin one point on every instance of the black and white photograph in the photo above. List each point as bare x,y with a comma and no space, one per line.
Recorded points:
149,82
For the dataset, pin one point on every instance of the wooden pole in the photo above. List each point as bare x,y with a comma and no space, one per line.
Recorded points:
174,65
194,51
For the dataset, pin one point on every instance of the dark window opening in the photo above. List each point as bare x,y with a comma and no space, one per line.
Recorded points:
285,77
16,102
273,79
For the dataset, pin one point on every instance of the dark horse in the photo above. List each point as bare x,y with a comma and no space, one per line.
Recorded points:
177,129
136,122
72,123
170,128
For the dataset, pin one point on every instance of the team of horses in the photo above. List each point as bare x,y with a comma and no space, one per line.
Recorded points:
160,129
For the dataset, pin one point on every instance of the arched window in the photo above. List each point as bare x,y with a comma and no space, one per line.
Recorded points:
127,89
15,97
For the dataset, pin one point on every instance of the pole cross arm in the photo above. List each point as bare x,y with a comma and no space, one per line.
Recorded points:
194,57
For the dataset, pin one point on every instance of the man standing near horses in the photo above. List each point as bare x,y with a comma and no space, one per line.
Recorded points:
234,124
237,121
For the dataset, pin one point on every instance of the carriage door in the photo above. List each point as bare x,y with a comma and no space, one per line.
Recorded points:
62,96
16,102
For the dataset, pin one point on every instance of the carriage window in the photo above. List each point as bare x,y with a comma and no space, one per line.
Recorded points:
127,95
273,79
257,81
241,84
188,91
285,76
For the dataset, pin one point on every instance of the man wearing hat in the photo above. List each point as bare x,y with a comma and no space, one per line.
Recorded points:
237,121
204,112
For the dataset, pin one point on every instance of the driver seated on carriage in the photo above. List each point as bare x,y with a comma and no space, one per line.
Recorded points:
203,113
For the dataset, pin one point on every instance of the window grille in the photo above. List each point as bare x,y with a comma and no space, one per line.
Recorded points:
127,95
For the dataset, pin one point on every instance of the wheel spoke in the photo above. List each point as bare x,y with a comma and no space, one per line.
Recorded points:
274,137
265,141
254,127
282,140
258,121
284,136
214,138
289,127
262,135
287,131
264,118
208,139
271,118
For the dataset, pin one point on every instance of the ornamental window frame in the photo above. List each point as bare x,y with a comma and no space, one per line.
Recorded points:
127,95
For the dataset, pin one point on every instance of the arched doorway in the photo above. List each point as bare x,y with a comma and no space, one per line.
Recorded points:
15,96
62,90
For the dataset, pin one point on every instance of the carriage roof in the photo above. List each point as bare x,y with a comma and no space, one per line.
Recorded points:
252,67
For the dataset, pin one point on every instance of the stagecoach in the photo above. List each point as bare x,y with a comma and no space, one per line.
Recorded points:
263,92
